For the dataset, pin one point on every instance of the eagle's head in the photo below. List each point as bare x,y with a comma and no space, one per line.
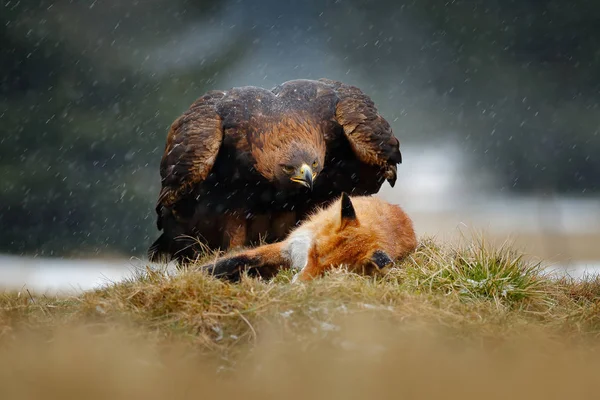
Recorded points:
299,165
290,152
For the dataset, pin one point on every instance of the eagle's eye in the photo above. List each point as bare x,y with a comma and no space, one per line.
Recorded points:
315,164
288,169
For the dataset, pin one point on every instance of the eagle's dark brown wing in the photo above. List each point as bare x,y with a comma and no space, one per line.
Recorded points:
193,143
369,134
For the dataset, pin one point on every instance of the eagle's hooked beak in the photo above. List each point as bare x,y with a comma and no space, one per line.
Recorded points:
304,176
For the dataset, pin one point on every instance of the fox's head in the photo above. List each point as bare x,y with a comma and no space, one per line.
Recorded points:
365,252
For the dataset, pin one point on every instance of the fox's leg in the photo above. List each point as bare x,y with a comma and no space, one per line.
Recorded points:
264,261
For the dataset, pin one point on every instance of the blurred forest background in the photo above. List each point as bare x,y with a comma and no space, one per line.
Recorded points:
88,90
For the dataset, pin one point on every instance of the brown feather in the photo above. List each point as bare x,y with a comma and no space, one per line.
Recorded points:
274,140
369,134
192,146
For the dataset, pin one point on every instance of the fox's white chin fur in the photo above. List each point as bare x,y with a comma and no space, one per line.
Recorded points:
296,250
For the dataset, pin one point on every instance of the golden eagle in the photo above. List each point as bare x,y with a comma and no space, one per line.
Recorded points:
250,163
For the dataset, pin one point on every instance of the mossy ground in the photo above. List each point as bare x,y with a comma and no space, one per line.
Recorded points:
446,312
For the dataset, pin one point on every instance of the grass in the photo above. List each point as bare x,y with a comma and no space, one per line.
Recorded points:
462,322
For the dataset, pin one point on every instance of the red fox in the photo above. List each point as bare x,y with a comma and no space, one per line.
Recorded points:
364,234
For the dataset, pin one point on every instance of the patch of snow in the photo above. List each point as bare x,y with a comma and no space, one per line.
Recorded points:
65,276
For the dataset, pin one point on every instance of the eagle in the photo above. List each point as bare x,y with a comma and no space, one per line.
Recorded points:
248,164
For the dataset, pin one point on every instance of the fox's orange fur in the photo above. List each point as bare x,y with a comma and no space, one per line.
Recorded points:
364,234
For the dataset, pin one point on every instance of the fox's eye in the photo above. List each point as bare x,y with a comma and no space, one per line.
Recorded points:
288,169
315,164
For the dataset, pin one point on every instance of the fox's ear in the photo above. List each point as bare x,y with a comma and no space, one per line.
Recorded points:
381,259
347,207
348,215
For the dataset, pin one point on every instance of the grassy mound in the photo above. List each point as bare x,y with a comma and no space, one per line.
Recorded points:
463,318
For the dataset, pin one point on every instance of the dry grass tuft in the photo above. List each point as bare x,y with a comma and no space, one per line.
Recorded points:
463,322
